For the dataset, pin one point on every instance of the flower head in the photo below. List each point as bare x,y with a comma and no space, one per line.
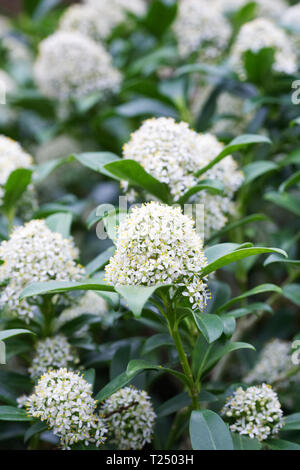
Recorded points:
70,65
273,364
255,412
64,400
260,34
173,153
53,353
130,418
158,244
201,26
98,19
34,254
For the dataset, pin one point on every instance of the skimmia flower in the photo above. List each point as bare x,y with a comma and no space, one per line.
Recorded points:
90,303
34,254
172,153
260,34
12,157
71,65
53,353
97,19
201,27
130,418
273,364
255,412
63,399
158,244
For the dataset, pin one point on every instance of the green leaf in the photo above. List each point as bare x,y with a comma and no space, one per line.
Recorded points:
279,259
120,361
134,173
222,350
209,432
100,261
11,413
293,158
236,256
229,325
36,428
292,422
97,160
255,291
252,308
256,169
258,65
236,144
238,223
13,332
43,170
156,341
15,187
60,223
160,16
244,442
211,326
13,385
140,107
75,324
90,376
285,200
212,186
136,296
215,252
55,287
279,444
134,368
291,181
292,292
244,15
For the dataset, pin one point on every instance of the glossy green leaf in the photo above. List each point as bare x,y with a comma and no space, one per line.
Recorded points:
255,291
97,160
244,442
11,413
211,326
257,169
36,428
285,200
211,186
100,261
291,181
238,223
60,223
292,422
279,444
13,332
55,287
136,296
134,173
292,292
15,187
209,432
156,341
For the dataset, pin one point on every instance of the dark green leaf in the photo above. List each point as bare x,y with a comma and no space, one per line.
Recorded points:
209,432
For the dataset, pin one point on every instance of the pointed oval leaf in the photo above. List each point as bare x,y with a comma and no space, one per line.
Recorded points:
209,432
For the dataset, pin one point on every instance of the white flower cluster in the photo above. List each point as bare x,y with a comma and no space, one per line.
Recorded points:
12,157
201,27
34,254
97,19
70,65
257,35
266,8
158,244
64,400
172,153
130,418
53,353
255,412
90,303
273,364
291,18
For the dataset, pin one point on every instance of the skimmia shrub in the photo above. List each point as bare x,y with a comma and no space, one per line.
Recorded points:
149,226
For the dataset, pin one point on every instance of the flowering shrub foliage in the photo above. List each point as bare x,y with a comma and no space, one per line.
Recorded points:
149,225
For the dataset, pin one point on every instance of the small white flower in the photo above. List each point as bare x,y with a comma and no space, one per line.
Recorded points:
70,65
255,412
34,254
64,400
53,353
130,418
157,244
259,34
